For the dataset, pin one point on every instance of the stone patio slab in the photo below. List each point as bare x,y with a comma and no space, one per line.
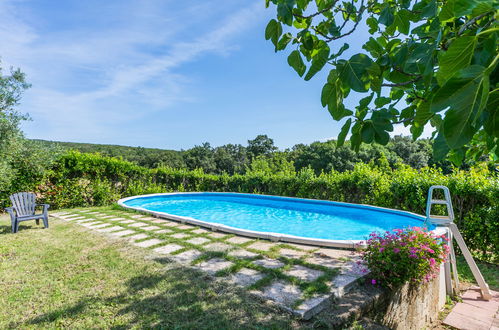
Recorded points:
185,227
281,292
110,229
246,277
187,257
90,224
198,240
137,237
269,263
122,233
238,240
288,253
214,265
200,231
217,247
304,273
180,235
138,224
159,221
148,243
325,261
163,231
262,246
127,221
149,228
102,225
167,249
217,235
242,254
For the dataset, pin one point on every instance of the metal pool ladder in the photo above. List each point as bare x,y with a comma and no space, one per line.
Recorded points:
453,233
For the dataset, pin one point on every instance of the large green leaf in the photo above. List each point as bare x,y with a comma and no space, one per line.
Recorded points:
344,132
440,147
386,16
457,57
273,31
318,62
402,21
285,11
354,72
295,61
465,94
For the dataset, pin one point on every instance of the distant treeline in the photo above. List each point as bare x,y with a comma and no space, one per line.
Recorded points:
238,159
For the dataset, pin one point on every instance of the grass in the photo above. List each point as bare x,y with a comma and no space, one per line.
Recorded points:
67,277
490,272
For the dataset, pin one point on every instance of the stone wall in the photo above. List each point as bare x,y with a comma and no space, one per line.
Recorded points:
412,307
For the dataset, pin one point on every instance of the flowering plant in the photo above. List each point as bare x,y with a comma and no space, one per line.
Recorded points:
411,254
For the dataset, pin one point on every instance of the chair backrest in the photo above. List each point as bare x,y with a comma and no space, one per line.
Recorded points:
24,203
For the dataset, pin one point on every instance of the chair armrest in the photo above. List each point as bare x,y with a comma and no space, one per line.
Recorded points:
12,212
45,207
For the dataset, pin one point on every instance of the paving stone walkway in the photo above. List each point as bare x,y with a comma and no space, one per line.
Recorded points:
474,312
298,278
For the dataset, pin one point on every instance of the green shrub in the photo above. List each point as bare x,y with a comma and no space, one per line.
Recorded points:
79,179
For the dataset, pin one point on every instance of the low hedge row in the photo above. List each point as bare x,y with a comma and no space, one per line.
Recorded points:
80,179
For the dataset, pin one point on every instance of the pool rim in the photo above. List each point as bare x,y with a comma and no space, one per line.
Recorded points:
274,237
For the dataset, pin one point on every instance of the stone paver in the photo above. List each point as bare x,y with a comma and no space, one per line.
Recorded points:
159,221
304,247
188,256
238,240
474,312
281,292
148,243
127,221
269,263
304,273
198,240
333,253
240,253
138,224
116,219
200,231
246,277
137,216
185,227
171,224
180,235
110,229
90,224
288,253
163,231
217,247
262,246
100,226
167,249
326,262
76,218
107,216
149,228
214,265
217,235
122,233
137,237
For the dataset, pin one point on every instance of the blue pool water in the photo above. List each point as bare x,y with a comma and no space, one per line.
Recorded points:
291,216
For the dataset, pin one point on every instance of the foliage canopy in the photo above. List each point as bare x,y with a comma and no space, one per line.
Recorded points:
440,58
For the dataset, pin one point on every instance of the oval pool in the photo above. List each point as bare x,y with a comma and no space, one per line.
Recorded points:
277,218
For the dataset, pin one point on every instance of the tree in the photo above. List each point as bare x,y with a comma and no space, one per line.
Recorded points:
262,145
231,158
200,157
440,58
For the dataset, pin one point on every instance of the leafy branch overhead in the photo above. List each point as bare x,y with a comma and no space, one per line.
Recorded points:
424,62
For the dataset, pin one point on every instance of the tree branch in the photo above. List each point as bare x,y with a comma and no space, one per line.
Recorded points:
405,83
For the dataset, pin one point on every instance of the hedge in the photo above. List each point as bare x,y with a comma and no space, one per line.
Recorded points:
79,180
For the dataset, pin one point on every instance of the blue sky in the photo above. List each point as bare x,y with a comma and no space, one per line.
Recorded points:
166,74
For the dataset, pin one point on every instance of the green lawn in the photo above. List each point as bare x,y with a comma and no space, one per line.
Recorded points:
67,277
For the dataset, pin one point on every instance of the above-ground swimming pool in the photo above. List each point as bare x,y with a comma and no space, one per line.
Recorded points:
288,219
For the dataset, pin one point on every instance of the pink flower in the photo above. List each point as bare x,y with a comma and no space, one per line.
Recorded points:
396,250
373,281
432,261
381,249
